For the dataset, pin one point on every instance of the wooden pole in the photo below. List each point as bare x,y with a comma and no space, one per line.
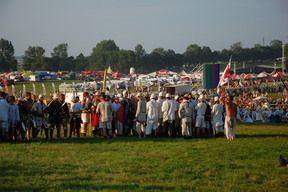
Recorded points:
104,81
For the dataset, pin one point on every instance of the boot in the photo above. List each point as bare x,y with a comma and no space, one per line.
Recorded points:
58,133
51,133
65,133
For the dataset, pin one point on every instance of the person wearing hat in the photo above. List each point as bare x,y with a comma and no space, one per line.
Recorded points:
105,110
177,118
200,119
127,108
152,115
116,124
186,113
217,117
140,115
75,121
95,118
85,115
13,118
38,116
160,129
54,109
168,109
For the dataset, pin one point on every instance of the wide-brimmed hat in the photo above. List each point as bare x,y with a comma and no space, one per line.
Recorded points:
153,96
201,98
139,95
55,96
216,98
161,94
168,95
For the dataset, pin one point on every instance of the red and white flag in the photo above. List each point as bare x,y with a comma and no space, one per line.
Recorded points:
226,74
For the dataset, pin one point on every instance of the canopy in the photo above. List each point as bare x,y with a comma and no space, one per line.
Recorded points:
235,77
28,74
250,76
183,73
262,74
278,74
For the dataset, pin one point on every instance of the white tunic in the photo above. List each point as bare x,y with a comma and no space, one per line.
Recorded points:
170,107
217,114
152,111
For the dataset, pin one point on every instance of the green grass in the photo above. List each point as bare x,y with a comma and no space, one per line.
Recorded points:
250,163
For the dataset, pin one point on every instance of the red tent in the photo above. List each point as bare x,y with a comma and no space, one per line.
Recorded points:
162,72
235,77
250,76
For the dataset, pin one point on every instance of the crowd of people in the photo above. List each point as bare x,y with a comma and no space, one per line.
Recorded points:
142,115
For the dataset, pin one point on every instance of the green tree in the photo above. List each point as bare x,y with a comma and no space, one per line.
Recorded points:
106,45
81,63
276,44
7,60
103,55
140,51
61,52
34,58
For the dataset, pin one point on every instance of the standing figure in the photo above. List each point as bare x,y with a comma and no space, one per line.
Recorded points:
230,119
38,116
95,118
186,113
27,116
168,109
85,116
160,130
13,118
217,117
64,114
54,109
140,115
75,121
4,108
105,110
152,115
200,120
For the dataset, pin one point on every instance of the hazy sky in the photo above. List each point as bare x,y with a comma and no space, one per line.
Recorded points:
171,24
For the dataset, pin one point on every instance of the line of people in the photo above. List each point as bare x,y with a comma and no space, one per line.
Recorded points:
142,116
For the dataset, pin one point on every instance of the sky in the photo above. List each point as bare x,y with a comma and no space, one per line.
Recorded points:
169,24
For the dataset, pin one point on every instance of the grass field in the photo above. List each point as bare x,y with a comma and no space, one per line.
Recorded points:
250,163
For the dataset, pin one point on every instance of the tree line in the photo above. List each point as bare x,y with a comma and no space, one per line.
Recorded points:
107,53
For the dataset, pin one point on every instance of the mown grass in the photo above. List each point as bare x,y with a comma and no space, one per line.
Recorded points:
250,163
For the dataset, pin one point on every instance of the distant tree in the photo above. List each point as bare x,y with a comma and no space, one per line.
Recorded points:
276,44
34,58
160,51
61,52
206,54
139,50
106,45
7,60
81,63
105,54
193,54
236,47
